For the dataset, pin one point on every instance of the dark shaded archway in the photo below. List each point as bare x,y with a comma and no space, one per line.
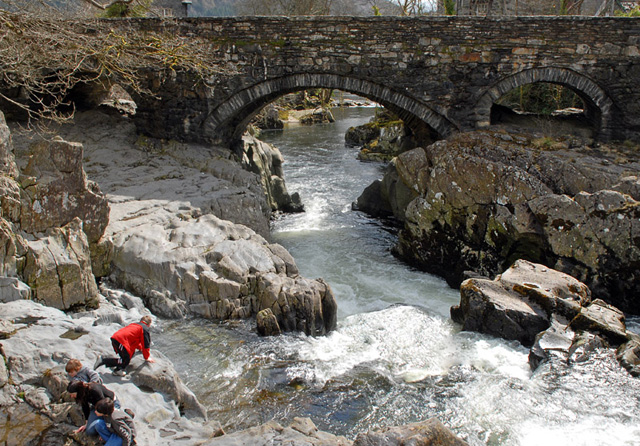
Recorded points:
599,107
228,121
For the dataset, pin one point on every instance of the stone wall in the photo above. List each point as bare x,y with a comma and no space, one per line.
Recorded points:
443,71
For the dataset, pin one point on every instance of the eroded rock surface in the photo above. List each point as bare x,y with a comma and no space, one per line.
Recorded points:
547,310
480,201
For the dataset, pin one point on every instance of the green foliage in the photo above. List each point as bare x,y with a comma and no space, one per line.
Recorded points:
449,7
135,9
635,12
376,10
541,98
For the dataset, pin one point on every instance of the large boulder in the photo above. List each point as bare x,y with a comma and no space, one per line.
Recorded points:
545,309
266,161
8,165
58,268
215,269
55,190
479,201
519,303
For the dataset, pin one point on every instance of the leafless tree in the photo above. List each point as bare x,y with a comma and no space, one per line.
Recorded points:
42,59
286,7
416,7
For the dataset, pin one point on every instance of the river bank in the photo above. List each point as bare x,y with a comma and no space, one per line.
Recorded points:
386,362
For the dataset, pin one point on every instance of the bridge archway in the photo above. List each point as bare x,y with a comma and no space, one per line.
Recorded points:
598,105
229,120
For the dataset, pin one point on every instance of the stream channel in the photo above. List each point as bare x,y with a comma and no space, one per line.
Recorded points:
396,356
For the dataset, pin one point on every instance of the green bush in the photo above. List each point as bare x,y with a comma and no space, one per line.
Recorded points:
541,98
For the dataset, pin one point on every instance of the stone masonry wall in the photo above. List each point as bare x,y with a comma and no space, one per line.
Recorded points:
445,71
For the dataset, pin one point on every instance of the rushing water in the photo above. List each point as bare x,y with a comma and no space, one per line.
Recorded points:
395,357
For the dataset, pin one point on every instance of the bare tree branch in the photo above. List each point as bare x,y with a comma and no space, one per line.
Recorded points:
108,5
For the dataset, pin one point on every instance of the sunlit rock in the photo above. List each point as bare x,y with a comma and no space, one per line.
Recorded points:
58,268
56,190
430,432
485,199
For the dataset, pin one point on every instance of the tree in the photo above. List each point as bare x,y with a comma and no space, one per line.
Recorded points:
416,7
123,8
286,7
43,58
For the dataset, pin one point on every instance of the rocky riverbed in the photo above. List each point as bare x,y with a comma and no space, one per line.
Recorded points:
474,204
185,228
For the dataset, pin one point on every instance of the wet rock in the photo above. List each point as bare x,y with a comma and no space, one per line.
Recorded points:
485,199
555,341
317,116
431,432
267,323
628,355
584,345
488,307
362,134
519,303
600,317
266,161
302,431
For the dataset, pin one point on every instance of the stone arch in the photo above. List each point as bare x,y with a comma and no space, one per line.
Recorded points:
229,119
599,105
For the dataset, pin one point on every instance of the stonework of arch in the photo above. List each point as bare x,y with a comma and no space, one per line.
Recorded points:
439,74
599,105
230,118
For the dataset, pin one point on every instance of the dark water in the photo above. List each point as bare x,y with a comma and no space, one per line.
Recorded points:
396,357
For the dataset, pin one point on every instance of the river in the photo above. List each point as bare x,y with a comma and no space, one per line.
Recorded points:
396,356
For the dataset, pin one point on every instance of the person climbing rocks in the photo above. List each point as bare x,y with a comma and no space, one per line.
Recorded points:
78,372
87,395
115,427
126,342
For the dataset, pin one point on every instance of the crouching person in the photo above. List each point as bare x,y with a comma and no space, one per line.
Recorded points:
114,426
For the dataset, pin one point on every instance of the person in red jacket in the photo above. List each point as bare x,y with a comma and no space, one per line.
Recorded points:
125,342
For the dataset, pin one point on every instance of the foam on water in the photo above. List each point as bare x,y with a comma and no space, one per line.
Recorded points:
395,357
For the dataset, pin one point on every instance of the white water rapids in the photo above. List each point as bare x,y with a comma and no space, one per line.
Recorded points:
396,356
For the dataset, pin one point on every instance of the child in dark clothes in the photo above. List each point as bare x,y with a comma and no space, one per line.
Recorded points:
114,426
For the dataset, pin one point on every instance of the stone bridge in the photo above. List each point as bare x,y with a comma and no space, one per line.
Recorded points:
439,74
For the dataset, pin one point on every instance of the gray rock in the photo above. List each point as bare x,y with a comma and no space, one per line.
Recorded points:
302,431
162,377
267,323
519,303
430,432
485,199
56,190
266,161
556,341
488,307
629,356
12,288
600,317
58,268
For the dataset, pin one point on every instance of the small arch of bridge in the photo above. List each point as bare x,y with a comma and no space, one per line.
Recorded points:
599,107
230,119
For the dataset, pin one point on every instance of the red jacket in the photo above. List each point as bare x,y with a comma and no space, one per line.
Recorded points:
134,337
